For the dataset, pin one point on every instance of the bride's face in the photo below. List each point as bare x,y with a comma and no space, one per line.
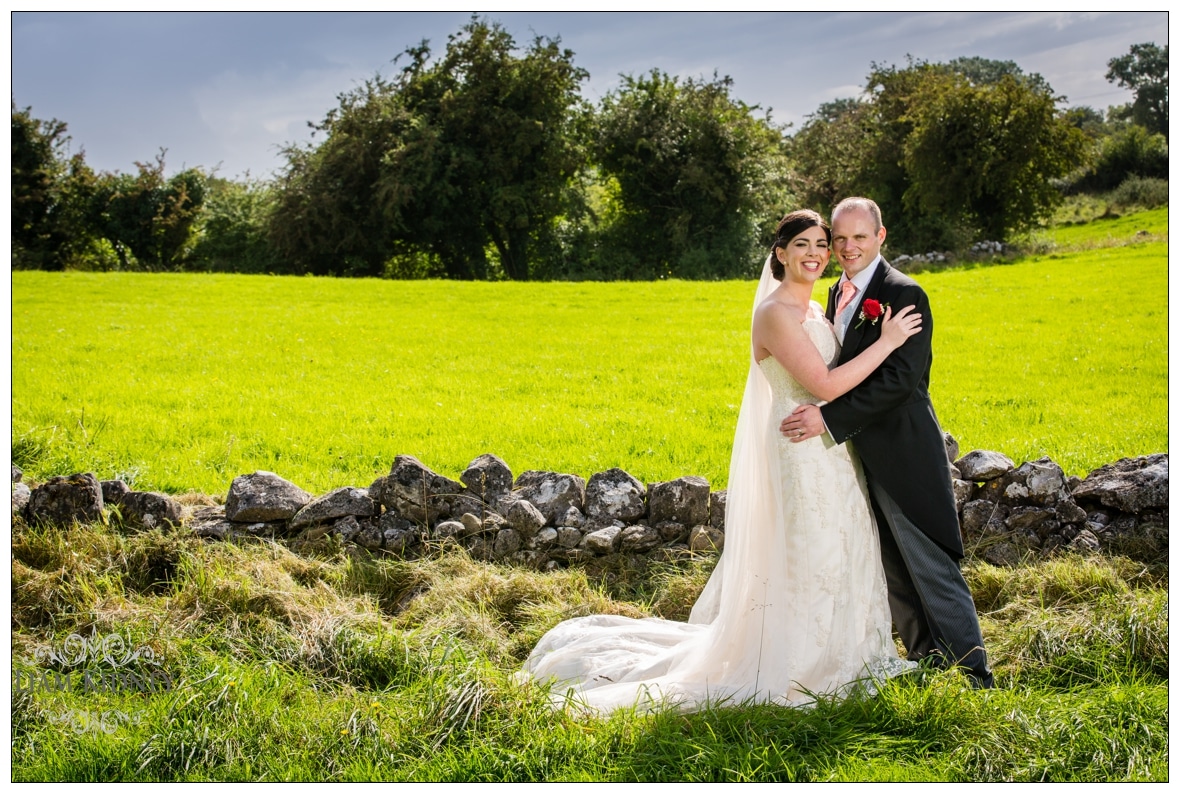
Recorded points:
806,255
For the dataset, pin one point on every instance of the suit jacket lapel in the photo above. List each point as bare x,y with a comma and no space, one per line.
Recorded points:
831,310
854,336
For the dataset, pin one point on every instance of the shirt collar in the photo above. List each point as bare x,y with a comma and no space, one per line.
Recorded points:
862,279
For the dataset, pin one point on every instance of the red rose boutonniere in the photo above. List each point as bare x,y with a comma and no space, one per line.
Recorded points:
871,310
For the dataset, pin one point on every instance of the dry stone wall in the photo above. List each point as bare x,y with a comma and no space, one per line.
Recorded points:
542,519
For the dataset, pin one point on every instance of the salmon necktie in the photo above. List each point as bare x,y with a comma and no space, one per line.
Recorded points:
847,292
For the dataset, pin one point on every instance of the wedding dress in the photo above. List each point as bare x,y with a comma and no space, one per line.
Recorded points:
797,605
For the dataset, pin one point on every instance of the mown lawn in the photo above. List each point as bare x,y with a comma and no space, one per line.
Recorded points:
179,382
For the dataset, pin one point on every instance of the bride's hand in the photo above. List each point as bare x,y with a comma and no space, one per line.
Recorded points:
896,328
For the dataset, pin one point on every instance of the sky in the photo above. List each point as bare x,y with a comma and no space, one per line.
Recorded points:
226,90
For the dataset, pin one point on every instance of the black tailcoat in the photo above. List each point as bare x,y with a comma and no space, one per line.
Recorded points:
889,417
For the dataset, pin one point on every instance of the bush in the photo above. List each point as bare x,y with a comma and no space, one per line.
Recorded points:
1139,192
1131,151
233,234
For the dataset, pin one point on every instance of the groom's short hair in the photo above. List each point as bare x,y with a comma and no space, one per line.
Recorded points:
860,203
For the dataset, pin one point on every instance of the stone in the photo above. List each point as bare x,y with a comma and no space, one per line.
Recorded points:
602,541
263,496
616,494
347,501
525,518
399,541
1085,541
472,524
705,538
17,474
543,540
963,491
1029,518
479,548
717,503
508,541
372,538
684,500
955,473
1130,485
210,522
448,530
63,500
487,478
388,521
113,490
1069,512
1015,492
551,493
415,492
638,539
572,518
671,532
1045,481
20,497
952,446
1002,555
493,522
981,465
976,514
145,510
568,537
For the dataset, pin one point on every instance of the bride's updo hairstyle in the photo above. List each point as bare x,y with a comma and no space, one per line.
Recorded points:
791,226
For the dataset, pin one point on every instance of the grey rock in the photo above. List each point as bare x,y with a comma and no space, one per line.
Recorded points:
263,496
487,478
1038,520
448,530
62,500
601,522
1045,481
144,510
568,537
1072,482
1069,512
388,521
616,494
980,465
671,532
472,524
717,503
415,492
1131,485
952,446
210,522
704,538
684,500
543,540
572,518
493,522
1085,541
1015,492
113,491
479,548
17,474
508,541
955,473
638,539
602,541
20,497
347,501
976,514
1003,555
963,491
525,518
551,493
399,541
372,538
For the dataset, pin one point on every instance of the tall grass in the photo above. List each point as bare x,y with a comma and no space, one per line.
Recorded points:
335,668
181,382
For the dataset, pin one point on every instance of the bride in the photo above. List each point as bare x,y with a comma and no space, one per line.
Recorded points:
797,604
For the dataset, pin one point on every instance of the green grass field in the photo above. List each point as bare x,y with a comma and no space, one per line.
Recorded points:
181,382
325,665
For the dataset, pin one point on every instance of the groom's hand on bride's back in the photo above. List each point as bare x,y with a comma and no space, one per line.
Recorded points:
804,422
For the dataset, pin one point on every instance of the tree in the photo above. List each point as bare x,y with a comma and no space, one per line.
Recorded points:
148,216
1144,70
694,172
50,194
232,233
457,156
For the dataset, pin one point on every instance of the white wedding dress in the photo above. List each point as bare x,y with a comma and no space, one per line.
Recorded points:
797,605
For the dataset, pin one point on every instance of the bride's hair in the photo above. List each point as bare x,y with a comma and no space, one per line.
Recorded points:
792,225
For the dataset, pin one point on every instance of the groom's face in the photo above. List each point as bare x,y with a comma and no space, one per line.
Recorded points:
856,240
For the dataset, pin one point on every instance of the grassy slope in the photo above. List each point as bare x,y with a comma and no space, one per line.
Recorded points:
181,382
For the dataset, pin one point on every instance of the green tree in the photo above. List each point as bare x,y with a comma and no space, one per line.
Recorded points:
1144,70
51,191
232,232
150,217
697,179
455,157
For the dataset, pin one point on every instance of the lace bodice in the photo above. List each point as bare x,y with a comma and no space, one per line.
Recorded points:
788,392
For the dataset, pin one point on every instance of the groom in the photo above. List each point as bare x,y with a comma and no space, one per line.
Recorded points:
891,421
